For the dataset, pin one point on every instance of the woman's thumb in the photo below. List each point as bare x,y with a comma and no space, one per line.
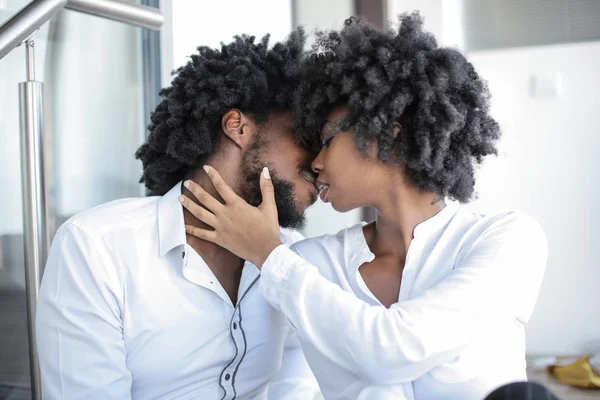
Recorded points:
267,191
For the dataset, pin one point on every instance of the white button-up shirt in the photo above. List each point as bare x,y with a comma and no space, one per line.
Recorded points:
468,288
127,310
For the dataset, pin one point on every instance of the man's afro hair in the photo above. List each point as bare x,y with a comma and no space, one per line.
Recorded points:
186,125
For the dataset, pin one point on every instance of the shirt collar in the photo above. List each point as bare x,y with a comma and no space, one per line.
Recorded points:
171,234
359,249
435,223
171,227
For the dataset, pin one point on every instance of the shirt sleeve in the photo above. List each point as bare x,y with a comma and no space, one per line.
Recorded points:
79,326
497,279
295,380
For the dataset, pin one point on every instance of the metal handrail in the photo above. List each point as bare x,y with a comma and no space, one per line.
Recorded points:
129,13
23,24
13,33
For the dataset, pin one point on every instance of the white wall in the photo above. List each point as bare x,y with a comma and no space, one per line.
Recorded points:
319,14
208,23
548,167
443,18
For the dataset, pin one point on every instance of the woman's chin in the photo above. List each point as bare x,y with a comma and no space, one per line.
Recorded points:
334,200
339,207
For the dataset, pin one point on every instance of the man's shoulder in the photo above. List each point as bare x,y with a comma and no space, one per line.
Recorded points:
289,236
129,213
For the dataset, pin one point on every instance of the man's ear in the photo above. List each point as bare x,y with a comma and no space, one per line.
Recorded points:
239,128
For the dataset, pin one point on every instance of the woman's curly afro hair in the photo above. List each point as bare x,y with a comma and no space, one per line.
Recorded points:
186,125
402,76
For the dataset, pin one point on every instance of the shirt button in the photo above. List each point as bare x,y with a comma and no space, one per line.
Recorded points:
234,325
227,377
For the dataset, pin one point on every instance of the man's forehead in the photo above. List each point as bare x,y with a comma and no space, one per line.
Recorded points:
281,118
280,126
281,133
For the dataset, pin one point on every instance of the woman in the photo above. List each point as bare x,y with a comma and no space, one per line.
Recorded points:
429,301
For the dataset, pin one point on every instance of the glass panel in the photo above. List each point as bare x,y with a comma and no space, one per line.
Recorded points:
94,111
94,97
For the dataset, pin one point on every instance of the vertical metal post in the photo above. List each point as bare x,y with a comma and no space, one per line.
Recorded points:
34,202
151,67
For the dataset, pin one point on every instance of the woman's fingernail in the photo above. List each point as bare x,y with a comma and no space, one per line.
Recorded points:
186,184
266,173
205,168
181,199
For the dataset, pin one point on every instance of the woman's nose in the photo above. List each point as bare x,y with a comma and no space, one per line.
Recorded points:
317,164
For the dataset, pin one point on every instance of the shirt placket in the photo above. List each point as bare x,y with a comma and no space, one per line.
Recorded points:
227,378
238,336
236,328
409,273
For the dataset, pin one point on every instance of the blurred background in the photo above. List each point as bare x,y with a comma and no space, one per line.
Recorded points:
101,80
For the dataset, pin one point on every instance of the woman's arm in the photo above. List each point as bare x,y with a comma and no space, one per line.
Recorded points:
497,281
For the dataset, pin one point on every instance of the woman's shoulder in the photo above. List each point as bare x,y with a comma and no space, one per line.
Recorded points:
511,230
503,221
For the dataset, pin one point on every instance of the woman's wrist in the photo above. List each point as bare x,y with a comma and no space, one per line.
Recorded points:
266,250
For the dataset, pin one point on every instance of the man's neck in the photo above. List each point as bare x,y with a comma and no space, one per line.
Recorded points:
226,266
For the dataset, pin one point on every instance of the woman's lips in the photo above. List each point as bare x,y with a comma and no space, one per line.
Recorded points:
323,190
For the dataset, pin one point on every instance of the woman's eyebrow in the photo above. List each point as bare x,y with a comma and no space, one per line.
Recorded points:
330,127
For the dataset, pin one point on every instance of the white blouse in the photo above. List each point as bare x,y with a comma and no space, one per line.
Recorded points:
468,288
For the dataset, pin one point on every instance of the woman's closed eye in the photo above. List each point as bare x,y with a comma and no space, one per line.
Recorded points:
327,142
330,130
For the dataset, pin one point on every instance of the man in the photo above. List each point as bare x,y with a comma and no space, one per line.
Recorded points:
131,307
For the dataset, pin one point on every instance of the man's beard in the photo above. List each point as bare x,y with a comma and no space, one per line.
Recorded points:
288,209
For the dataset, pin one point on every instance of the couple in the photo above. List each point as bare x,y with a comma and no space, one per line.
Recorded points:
144,298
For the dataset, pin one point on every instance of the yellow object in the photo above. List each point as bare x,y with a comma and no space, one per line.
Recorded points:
578,373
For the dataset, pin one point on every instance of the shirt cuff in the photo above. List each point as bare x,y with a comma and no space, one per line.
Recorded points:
276,272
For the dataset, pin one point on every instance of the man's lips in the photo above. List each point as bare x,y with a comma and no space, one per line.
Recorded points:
314,193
